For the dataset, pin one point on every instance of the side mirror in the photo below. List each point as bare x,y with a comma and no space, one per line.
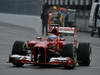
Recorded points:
39,38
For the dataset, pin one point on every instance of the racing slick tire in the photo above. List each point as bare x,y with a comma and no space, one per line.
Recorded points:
68,51
84,54
18,49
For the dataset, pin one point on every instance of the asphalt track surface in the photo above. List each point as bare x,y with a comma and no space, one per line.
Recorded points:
9,33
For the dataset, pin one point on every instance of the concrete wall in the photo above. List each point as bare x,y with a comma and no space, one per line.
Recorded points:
29,7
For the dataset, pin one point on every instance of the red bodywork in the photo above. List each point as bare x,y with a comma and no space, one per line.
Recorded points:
45,45
46,51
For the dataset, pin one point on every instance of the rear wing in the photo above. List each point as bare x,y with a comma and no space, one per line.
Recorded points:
67,30
64,30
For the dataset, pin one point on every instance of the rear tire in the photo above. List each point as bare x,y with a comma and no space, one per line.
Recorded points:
18,49
83,54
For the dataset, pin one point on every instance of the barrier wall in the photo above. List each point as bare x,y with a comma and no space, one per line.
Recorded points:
29,7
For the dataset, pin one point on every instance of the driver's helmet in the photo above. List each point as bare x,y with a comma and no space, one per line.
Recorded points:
52,37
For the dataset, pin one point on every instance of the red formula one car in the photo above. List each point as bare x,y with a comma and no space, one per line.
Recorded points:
55,49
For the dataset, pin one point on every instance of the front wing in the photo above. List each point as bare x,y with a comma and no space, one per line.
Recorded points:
64,61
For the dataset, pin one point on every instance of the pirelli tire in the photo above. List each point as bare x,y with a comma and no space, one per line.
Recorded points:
18,49
68,51
84,54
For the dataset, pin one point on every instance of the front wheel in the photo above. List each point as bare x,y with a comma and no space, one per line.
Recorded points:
84,54
18,49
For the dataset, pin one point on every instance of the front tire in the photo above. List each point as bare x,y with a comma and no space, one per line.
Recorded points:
83,54
18,49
